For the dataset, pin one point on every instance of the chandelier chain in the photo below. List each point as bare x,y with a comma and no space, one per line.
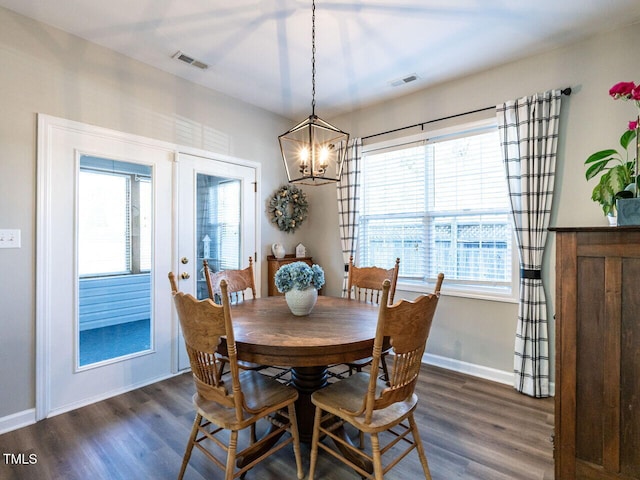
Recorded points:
314,150
313,57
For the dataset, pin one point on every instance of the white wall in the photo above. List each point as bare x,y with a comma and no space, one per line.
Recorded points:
45,70
482,332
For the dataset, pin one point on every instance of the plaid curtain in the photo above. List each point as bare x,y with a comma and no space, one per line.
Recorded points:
348,193
528,130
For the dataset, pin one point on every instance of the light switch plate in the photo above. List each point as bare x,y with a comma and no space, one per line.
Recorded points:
9,238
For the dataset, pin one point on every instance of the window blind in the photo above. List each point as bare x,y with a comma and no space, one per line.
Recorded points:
228,224
103,223
112,196
441,207
393,207
146,225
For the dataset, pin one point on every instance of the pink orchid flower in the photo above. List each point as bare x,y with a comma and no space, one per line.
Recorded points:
622,89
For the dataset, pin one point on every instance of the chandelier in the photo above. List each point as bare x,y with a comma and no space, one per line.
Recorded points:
313,151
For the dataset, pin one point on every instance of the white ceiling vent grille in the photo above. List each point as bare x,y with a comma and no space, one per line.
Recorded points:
401,81
190,60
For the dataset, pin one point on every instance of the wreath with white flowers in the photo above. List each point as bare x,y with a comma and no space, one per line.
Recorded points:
288,208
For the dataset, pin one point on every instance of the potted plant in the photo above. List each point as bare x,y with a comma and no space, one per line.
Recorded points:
300,284
619,171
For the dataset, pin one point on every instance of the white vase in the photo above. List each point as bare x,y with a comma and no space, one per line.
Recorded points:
301,302
277,250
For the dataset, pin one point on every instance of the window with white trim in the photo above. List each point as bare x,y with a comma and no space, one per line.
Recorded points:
440,204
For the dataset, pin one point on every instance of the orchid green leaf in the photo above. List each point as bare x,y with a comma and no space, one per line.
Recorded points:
627,137
600,155
595,169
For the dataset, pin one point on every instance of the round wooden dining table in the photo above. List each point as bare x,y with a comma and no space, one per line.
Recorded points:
338,330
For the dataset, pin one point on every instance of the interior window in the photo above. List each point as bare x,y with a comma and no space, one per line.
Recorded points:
103,232
114,218
114,260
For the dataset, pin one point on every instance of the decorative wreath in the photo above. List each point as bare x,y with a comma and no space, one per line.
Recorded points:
288,208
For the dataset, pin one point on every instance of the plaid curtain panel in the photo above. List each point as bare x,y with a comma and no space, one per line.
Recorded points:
528,130
348,193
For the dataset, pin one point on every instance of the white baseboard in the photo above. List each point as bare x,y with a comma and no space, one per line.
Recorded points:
17,420
106,395
28,417
480,371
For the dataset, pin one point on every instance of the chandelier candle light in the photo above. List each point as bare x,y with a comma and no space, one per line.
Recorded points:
313,151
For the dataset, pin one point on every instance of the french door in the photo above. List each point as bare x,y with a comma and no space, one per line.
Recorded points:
116,213
217,223
103,226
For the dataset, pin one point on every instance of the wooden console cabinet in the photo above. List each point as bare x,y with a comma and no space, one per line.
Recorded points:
273,264
597,402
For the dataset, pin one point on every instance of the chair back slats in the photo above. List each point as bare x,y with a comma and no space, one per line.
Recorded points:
212,391
203,323
403,379
364,283
206,366
406,324
406,367
238,282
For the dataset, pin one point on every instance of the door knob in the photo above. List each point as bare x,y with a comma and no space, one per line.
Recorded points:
184,275
184,260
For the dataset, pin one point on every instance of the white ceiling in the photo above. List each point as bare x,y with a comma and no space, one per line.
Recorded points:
260,51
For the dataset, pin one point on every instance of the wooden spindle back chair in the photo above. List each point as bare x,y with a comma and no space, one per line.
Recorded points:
229,405
371,405
365,284
239,284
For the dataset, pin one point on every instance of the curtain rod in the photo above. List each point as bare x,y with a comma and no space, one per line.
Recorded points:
564,91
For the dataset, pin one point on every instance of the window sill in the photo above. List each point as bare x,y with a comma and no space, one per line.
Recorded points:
455,290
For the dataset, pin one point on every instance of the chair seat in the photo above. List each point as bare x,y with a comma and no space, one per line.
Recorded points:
346,395
359,364
244,365
260,393
363,362
250,365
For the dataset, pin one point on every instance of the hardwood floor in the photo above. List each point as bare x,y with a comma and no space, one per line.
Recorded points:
471,429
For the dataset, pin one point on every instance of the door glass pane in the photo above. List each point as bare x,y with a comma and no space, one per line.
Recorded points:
114,259
218,209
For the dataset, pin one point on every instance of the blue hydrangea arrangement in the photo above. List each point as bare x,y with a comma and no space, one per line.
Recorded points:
299,275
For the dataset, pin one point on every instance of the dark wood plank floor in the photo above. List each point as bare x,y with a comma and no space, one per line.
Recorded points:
471,429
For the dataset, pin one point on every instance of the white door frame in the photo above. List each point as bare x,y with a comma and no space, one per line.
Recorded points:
44,245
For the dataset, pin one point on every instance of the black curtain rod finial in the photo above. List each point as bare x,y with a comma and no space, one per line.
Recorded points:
566,91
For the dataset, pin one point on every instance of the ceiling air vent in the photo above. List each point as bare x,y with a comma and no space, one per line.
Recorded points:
402,81
191,61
